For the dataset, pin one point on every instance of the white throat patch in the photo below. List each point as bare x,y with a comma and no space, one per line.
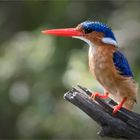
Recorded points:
92,47
84,39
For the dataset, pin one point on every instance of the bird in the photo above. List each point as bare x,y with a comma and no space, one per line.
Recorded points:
107,63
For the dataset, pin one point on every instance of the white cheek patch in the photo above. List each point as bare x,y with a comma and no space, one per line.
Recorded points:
109,40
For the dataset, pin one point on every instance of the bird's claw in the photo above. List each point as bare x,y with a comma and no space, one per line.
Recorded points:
94,94
99,95
118,107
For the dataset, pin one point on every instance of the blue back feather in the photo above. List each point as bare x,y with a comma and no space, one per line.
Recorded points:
121,64
99,27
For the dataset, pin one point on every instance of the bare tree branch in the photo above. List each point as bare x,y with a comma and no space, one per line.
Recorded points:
125,124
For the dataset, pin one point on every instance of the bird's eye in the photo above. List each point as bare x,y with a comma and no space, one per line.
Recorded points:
88,30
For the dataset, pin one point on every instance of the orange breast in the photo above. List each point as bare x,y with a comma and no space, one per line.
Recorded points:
102,66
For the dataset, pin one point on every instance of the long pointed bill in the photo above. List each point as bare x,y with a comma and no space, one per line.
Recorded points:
63,32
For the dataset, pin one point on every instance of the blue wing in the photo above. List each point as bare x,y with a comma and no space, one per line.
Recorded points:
121,64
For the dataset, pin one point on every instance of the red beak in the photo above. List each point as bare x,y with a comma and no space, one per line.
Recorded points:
63,32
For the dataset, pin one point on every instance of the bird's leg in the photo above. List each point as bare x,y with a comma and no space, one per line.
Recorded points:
104,96
117,107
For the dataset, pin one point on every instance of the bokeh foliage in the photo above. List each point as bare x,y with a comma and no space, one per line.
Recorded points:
36,70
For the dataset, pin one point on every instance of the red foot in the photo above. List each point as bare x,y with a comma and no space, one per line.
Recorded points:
117,107
99,95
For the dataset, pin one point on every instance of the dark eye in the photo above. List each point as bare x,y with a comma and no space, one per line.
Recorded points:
88,30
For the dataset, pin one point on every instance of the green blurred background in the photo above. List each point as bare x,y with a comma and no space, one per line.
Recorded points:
36,70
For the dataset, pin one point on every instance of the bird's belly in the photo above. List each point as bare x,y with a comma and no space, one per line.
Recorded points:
100,68
104,76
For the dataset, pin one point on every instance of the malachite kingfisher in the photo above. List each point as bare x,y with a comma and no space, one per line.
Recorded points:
106,62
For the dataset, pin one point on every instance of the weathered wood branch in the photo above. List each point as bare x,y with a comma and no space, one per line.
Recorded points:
125,124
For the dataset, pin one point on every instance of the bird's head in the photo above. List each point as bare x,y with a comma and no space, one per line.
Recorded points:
95,33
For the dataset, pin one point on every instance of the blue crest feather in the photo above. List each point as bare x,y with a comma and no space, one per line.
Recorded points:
121,64
99,27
